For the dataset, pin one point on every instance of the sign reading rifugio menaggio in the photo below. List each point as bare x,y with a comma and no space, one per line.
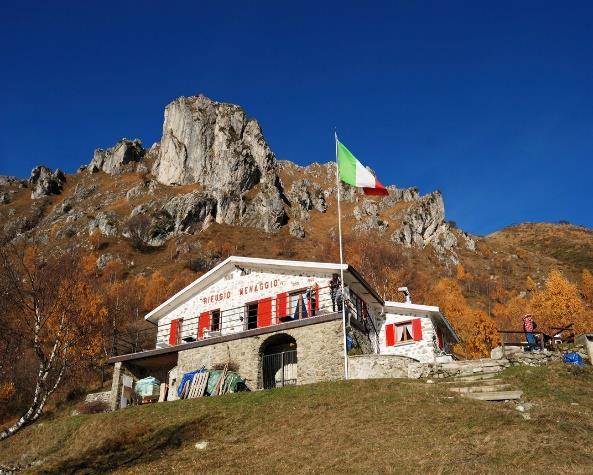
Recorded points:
244,290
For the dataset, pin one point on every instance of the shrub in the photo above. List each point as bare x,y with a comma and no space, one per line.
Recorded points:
94,407
137,230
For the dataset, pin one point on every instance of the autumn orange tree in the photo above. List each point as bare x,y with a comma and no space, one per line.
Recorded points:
477,331
559,304
54,313
556,304
587,286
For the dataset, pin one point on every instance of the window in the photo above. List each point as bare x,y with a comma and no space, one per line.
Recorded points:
251,315
215,320
298,303
357,304
403,332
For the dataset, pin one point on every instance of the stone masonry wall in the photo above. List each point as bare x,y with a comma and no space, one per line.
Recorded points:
319,354
386,366
362,341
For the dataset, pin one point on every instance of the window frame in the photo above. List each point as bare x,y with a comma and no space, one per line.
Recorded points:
212,320
299,291
406,342
246,310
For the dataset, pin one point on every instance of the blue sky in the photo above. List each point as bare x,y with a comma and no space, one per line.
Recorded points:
489,102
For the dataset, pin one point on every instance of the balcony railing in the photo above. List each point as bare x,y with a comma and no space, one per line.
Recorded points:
300,304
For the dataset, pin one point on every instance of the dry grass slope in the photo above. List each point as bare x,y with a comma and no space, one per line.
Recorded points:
377,426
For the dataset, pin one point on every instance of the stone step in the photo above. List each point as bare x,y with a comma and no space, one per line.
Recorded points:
481,389
475,363
495,395
482,382
475,377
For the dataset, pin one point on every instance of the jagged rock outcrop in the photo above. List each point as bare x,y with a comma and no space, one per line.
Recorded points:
367,217
115,159
421,221
145,188
305,196
6,180
296,229
213,144
44,183
266,211
191,212
105,223
5,198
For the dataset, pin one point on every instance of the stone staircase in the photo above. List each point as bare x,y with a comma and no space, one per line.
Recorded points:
477,379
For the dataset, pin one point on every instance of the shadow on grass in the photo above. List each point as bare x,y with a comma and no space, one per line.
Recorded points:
126,450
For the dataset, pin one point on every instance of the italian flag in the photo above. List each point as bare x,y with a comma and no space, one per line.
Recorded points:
354,173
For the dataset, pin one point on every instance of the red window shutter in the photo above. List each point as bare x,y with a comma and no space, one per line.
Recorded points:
204,322
281,305
440,338
417,329
174,332
390,334
264,313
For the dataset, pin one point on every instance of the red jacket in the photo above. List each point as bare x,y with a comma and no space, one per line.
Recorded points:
528,323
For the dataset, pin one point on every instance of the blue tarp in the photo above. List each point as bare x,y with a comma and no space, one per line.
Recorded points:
573,358
187,377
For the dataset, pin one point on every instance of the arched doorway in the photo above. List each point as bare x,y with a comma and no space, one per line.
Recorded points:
279,361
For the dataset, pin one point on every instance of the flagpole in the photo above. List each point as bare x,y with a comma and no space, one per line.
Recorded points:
341,262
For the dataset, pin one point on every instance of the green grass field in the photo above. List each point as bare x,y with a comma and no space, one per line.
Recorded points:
374,426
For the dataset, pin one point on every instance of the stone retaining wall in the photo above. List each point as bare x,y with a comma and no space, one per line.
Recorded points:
386,366
319,354
104,396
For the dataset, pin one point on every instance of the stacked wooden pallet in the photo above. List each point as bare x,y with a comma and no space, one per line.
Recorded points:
197,386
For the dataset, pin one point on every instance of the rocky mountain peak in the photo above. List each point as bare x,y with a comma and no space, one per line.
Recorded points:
213,144
213,165
44,182
114,160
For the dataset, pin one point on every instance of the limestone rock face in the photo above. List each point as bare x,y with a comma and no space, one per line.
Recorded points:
422,221
296,229
191,212
105,223
44,183
213,144
367,217
114,160
305,196
265,212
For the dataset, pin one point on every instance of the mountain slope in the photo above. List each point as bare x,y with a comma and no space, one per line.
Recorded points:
212,187
371,426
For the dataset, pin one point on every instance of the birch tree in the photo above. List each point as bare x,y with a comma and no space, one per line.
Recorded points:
54,312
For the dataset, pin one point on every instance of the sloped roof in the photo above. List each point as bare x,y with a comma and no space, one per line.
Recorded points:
216,272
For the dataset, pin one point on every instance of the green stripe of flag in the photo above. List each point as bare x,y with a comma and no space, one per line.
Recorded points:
347,165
